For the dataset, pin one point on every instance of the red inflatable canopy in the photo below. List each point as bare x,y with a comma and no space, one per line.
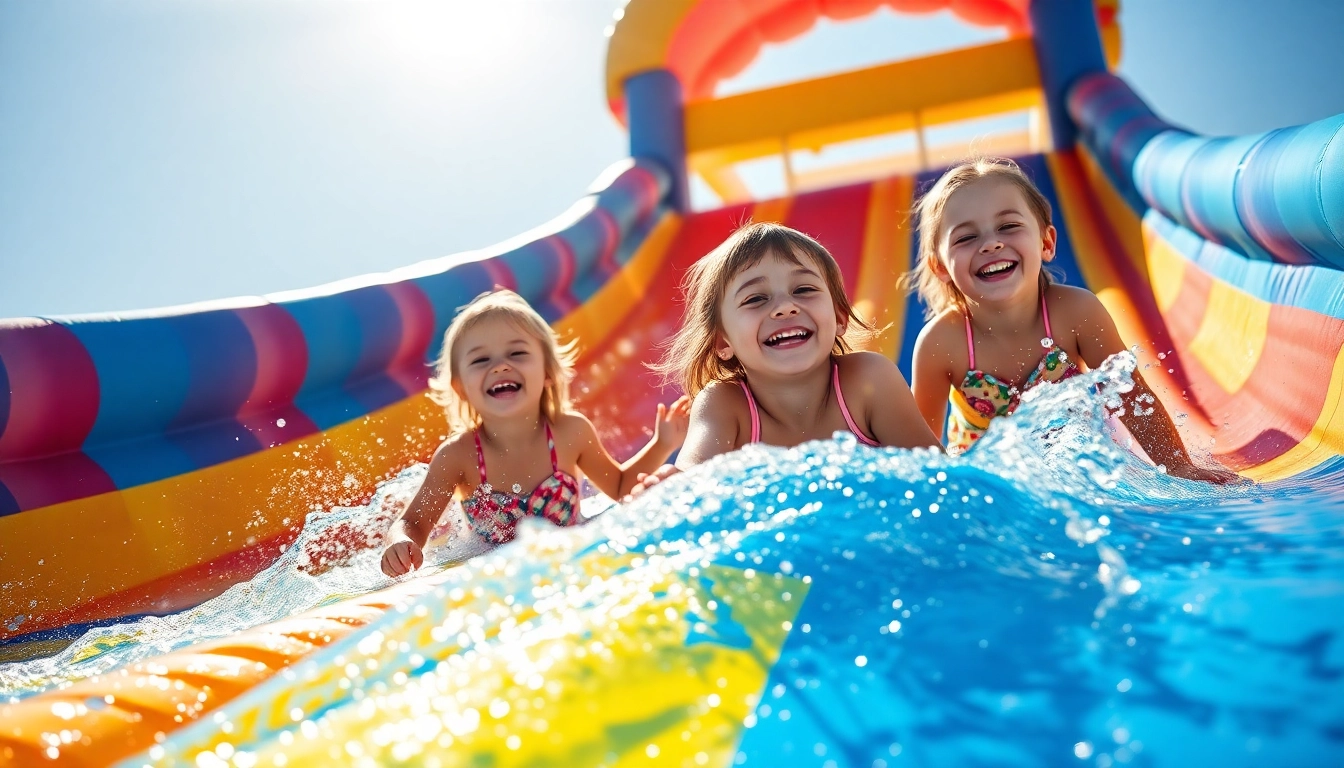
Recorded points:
705,42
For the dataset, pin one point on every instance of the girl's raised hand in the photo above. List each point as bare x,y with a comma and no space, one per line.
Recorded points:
669,429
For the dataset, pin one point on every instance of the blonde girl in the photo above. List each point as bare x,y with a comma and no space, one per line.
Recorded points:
516,449
999,325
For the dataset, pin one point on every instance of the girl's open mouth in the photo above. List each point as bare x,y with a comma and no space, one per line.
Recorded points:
996,270
503,388
790,337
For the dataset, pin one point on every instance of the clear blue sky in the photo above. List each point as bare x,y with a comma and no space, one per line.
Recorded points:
158,152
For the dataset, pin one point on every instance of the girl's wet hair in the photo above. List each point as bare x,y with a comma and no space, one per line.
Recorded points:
936,294
557,358
689,360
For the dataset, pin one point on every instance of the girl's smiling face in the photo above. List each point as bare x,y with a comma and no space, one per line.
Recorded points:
778,317
502,370
991,246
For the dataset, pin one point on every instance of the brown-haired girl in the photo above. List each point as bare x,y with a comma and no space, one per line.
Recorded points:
767,352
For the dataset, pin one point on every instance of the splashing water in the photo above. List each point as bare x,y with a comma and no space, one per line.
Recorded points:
336,556
1046,599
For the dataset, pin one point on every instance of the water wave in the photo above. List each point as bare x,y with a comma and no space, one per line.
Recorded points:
1047,598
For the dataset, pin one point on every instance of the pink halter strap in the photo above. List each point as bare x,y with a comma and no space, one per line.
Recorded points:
755,415
839,398
970,339
480,454
844,409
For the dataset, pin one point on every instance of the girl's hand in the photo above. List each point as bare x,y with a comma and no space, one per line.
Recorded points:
1218,476
645,482
669,429
402,557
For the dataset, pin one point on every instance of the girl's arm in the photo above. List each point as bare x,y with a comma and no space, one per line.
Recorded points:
932,375
893,416
1143,413
407,537
714,425
617,480
713,429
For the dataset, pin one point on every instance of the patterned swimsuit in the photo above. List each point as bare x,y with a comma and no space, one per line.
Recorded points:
982,397
494,514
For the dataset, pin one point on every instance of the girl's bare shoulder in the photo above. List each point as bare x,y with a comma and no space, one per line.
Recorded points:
573,427
943,339
455,455
720,400
457,446
866,375
1074,307
946,323
865,364
1071,297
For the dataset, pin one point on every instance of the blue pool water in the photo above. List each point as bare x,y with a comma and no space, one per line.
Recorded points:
1046,599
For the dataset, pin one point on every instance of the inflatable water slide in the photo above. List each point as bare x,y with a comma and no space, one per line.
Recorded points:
151,460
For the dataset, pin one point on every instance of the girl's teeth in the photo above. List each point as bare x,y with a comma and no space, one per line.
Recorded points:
998,270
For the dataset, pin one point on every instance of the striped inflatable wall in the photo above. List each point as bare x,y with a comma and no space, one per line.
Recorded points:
150,460
1226,254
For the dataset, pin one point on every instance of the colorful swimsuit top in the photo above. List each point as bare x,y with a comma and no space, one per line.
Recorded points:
839,397
494,514
983,397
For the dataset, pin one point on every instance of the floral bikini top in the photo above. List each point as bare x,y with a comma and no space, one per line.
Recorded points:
494,514
982,397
